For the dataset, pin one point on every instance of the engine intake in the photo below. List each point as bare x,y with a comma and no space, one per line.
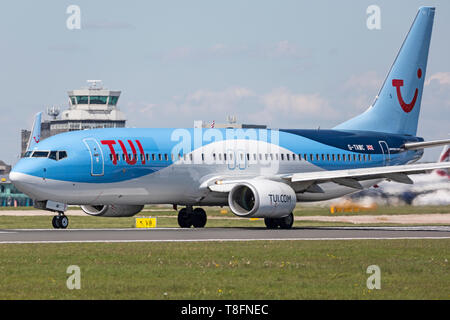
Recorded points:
262,199
112,210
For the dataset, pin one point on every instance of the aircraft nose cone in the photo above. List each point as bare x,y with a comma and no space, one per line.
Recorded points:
24,183
18,179
15,176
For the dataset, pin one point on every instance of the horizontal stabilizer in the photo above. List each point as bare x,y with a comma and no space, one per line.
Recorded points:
425,144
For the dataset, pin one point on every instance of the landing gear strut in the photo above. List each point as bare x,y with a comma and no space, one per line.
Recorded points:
60,221
283,223
188,217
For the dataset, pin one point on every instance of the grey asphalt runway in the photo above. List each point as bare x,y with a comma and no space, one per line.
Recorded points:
219,234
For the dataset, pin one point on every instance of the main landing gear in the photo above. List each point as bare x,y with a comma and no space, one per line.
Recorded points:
188,217
282,223
60,221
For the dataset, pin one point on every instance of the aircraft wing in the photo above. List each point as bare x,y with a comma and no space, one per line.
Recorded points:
351,177
309,181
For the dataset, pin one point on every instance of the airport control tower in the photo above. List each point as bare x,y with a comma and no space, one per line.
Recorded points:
89,108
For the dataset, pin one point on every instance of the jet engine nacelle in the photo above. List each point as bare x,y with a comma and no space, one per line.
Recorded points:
262,199
112,210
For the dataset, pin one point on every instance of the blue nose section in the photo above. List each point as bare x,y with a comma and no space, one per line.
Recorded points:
32,166
28,176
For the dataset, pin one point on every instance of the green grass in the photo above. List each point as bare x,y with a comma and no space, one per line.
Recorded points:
410,269
168,218
300,210
87,222
304,210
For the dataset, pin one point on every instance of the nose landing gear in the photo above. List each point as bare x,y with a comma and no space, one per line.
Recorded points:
188,217
60,221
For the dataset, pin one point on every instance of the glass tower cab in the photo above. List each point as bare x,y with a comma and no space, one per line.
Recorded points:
89,108
95,97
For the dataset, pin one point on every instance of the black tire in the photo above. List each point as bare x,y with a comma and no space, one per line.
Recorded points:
271,223
286,222
63,222
184,218
55,222
199,218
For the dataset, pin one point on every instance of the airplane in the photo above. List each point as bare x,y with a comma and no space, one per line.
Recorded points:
114,172
428,189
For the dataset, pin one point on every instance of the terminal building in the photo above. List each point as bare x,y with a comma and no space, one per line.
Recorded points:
9,195
89,108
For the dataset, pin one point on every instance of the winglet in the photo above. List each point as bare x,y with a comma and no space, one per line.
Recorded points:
35,136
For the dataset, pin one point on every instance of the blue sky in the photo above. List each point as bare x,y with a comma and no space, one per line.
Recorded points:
290,64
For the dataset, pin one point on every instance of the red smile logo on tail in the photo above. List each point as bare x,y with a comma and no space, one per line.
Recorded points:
407,107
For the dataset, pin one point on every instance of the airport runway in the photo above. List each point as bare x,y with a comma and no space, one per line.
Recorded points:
219,234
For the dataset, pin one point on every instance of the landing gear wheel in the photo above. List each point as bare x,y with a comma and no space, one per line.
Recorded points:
271,223
55,222
60,222
199,218
286,222
63,222
184,218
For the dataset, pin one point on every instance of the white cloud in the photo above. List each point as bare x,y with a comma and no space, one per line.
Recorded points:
107,25
281,100
281,49
443,78
276,107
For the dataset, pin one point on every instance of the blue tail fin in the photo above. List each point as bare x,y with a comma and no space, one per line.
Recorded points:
396,108
35,136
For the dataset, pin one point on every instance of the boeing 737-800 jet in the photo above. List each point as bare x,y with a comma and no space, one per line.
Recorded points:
256,172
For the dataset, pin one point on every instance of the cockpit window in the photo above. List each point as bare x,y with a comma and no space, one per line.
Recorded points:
54,155
40,154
